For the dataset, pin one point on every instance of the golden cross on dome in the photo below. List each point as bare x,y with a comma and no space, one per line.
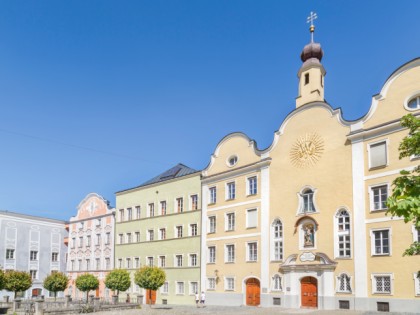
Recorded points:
313,16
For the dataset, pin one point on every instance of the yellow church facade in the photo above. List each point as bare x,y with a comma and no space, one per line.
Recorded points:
303,223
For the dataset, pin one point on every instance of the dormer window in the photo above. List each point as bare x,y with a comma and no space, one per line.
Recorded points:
232,160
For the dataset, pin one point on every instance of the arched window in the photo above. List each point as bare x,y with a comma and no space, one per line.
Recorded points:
414,103
276,283
277,240
343,234
344,283
307,204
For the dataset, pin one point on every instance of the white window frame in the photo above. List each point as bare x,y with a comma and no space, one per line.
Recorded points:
192,202
161,232
151,209
163,207
179,205
301,203
371,195
177,288
10,253
248,226
248,253
275,240
338,283
193,226
374,287
416,284
150,261
372,241
210,225
138,212
210,282
228,193
212,196
248,185
386,149
191,287
160,261
344,233
230,258
210,260
410,98
136,263
177,229
230,221
416,233
165,288
190,260
227,282
176,261
151,235
273,283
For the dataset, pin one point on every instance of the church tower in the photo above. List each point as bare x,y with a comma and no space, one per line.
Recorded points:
311,74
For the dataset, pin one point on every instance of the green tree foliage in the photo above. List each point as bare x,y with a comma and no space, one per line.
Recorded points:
2,281
150,278
118,280
17,281
86,283
405,199
56,282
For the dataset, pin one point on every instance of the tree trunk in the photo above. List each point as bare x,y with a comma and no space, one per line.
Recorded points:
55,296
87,297
150,298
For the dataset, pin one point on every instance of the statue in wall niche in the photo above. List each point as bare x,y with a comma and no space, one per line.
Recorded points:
308,230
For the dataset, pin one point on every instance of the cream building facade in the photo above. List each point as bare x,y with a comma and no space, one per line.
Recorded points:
314,231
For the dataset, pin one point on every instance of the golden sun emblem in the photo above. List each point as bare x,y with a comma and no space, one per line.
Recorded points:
307,150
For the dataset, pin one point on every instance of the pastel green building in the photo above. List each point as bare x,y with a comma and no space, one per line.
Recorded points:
158,224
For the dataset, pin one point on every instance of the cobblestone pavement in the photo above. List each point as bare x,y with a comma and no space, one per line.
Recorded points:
240,310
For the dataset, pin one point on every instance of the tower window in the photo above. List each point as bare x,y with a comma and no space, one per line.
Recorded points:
306,78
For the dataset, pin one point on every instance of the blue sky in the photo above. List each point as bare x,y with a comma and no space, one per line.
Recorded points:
99,96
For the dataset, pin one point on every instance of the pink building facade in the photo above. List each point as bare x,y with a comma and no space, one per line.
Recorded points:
91,244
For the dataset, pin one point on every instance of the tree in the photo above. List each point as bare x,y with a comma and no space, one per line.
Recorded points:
405,199
150,278
56,282
2,281
86,283
17,281
118,280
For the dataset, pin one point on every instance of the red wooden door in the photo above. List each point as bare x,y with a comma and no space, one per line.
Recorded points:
150,297
253,292
309,292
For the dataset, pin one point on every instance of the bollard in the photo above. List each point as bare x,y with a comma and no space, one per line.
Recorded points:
67,299
39,307
115,299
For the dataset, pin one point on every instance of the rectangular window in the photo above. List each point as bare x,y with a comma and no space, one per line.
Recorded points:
382,284
180,288
381,242
162,234
193,230
73,242
344,246
121,238
212,224
179,231
252,185
33,274
150,261
165,288
211,283
10,254
377,154
230,221
163,207
151,209
54,256
121,215
193,288
138,212
88,241
417,237
212,254
230,253
162,261
128,263
194,202
98,263
252,251
99,222
151,235
98,240
179,205
120,264
231,191
107,238
251,218
72,264
81,241
129,240
33,255
178,260
212,194
80,267
87,264
107,263
379,195
129,214
278,250
229,284
137,262
193,260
